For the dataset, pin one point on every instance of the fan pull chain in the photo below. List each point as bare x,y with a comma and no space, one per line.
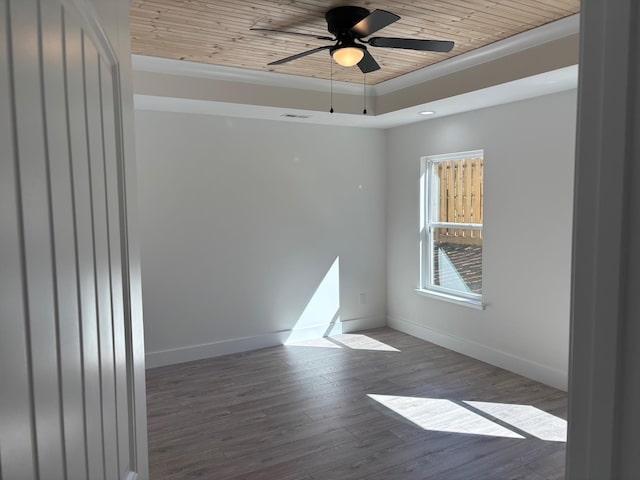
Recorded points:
331,83
364,87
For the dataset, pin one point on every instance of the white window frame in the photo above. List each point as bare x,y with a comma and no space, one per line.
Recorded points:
427,226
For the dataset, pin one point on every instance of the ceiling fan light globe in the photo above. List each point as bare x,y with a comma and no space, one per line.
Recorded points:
348,56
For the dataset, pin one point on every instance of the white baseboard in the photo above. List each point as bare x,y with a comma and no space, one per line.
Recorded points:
364,323
245,344
527,368
215,349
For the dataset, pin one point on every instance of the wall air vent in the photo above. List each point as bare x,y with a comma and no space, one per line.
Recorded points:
292,115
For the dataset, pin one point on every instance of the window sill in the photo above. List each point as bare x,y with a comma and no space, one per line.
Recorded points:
465,302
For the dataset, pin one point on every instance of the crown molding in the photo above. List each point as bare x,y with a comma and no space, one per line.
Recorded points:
143,63
546,83
546,33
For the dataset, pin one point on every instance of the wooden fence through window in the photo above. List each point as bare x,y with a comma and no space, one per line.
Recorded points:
461,199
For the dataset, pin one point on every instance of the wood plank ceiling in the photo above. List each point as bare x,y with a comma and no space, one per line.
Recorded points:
217,31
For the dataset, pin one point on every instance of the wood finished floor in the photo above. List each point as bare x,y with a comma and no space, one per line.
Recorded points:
303,413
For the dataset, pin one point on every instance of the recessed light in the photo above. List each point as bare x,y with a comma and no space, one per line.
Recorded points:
428,112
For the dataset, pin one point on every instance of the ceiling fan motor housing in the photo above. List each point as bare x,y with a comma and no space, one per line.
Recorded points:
341,19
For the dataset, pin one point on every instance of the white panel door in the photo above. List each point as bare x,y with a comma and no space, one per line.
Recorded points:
65,356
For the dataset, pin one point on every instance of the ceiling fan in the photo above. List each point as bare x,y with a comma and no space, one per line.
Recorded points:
350,25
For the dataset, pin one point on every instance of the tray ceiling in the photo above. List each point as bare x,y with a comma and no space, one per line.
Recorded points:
217,32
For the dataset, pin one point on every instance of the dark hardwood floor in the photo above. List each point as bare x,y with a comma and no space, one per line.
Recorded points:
375,405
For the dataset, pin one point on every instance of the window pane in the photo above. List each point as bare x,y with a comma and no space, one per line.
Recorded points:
457,194
457,259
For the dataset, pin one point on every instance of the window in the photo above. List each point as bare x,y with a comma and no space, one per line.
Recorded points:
451,217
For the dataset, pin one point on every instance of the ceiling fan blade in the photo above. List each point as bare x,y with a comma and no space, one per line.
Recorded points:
299,55
412,44
368,63
309,35
376,20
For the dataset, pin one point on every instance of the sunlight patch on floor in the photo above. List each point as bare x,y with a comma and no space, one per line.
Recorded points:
362,342
527,418
442,415
351,341
478,418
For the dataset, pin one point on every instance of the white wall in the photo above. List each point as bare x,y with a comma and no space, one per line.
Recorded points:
529,153
240,222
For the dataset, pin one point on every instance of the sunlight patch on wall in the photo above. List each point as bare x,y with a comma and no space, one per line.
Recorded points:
322,312
319,323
